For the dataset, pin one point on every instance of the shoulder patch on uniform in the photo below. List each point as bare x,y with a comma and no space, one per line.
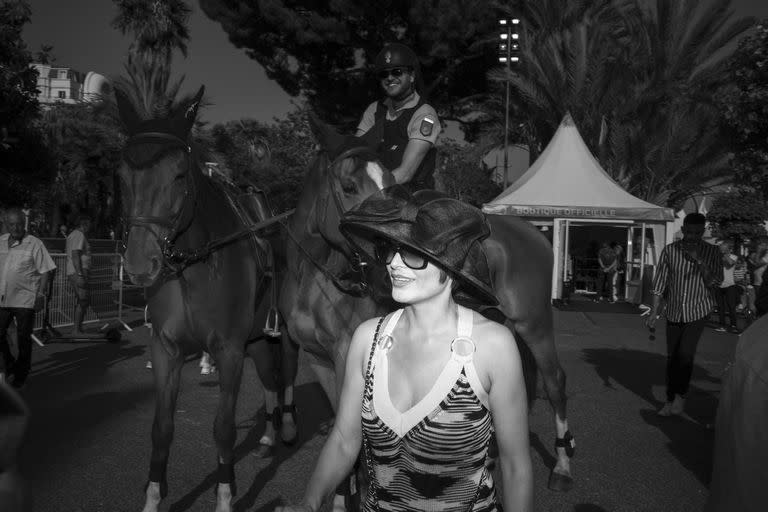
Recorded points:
427,124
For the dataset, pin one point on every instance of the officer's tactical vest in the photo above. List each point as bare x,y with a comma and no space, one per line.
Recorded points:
394,139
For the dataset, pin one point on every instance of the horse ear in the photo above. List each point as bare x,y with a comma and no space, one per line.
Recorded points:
328,138
127,113
190,114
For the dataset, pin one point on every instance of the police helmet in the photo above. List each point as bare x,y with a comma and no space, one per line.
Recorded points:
395,55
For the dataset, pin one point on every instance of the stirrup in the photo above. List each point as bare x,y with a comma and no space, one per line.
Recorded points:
272,324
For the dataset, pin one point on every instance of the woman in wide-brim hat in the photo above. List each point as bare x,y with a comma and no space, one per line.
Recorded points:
435,378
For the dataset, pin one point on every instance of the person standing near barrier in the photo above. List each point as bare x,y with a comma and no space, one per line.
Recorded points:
78,264
25,268
689,271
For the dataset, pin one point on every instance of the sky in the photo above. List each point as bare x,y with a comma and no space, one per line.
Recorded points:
83,39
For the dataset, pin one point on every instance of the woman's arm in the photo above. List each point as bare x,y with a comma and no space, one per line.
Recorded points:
343,444
509,407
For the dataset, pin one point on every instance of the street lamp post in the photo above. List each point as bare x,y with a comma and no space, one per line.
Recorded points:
506,57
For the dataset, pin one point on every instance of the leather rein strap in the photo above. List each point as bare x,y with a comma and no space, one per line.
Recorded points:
174,259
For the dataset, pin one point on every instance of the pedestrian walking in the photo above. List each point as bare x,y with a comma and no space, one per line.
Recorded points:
25,269
688,272
78,251
431,380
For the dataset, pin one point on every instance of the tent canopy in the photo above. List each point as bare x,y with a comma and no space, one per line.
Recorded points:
567,181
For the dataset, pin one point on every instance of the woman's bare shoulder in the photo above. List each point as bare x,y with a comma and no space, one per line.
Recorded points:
494,341
491,332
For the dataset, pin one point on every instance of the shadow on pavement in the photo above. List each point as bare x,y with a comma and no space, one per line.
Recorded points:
636,370
639,371
310,422
62,427
690,442
588,507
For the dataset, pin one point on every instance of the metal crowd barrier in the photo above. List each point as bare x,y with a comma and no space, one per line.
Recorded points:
107,286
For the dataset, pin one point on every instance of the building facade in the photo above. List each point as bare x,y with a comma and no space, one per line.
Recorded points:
65,85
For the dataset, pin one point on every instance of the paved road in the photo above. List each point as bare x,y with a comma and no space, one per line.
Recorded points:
92,404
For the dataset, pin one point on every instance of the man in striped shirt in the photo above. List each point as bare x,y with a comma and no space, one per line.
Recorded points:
688,274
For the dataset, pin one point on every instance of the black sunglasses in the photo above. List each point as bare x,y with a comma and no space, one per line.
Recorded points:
385,253
395,72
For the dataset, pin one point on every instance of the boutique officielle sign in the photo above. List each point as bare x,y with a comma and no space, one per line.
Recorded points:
539,211
580,212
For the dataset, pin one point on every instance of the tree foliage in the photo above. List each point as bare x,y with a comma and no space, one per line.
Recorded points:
288,149
23,163
18,81
85,142
739,216
159,28
638,76
744,104
462,174
324,50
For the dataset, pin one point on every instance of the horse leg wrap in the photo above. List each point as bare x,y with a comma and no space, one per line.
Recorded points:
157,474
567,442
226,475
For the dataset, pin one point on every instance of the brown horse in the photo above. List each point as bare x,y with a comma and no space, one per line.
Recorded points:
324,314
187,242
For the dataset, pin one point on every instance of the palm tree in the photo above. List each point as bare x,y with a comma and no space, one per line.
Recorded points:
638,77
571,60
159,27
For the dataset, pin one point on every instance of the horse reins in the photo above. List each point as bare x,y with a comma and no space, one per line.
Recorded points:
175,259
357,263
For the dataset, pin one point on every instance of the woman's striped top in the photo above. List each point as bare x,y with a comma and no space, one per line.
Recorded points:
680,282
433,456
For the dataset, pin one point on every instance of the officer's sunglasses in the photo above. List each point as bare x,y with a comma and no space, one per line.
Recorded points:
395,72
385,253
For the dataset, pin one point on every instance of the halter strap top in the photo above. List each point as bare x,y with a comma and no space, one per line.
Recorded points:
431,457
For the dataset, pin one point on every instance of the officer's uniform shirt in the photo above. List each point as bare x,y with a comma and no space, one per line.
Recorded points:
424,124
21,264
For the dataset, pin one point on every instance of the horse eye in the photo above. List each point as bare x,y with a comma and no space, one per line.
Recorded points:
349,187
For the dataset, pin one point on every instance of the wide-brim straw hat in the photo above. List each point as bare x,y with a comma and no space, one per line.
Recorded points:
446,231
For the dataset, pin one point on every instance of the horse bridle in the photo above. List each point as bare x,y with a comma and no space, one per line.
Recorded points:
174,259
357,263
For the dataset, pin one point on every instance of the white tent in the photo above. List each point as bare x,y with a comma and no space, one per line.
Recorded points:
567,181
566,187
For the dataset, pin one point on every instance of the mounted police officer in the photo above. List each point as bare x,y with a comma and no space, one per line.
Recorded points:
405,125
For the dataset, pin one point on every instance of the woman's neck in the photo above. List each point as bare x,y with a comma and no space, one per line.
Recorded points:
433,315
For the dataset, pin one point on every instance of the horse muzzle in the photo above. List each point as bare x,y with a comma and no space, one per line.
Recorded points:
143,260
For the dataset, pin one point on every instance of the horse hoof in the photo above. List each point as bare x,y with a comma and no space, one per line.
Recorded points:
560,482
